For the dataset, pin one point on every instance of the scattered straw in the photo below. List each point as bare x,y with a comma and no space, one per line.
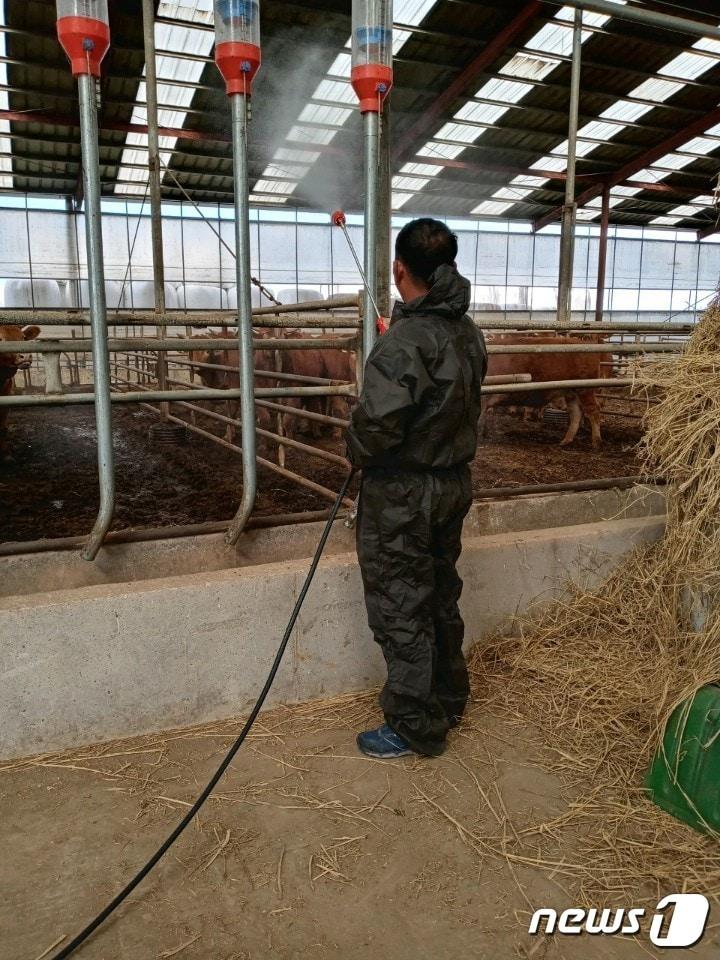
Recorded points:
598,674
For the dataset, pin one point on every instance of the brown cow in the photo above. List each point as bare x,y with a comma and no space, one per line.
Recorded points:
546,367
10,363
230,379
339,367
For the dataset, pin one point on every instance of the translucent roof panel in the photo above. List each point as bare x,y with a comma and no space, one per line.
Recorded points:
399,199
491,208
699,145
685,210
459,132
318,113
275,186
178,37
336,91
528,64
480,113
444,151
341,66
626,110
687,66
409,183
423,169
655,89
301,134
298,156
507,91
266,198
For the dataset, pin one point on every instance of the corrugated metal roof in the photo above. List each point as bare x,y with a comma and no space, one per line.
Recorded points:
499,138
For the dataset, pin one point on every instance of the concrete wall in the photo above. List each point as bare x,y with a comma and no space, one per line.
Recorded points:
93,662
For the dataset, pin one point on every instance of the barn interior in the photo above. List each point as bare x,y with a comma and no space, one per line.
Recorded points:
192,275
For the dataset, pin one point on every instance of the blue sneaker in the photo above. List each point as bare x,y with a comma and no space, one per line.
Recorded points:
383,743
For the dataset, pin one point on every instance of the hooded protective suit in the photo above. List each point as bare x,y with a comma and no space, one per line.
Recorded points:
413,433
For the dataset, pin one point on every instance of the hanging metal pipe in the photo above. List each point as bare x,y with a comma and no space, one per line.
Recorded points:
371,121
239,107
98,313
602,256
148,12
567,239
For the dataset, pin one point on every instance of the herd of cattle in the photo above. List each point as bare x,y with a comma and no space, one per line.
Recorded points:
338,366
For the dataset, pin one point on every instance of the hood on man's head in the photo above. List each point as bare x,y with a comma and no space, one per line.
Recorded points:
447,286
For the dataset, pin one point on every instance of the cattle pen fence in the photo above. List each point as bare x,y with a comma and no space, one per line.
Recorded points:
335,324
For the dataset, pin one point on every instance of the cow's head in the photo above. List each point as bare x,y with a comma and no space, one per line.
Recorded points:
200,356
16,360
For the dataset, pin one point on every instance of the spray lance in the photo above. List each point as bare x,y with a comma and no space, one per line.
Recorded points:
381,324
338,220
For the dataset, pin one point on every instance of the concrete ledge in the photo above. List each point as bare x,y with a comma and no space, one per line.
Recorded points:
133,562
109,660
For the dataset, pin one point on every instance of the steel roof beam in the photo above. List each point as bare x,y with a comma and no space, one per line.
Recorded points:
646,159
658,187
595,92
468,75
649,18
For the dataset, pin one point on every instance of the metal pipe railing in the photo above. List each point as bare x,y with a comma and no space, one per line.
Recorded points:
134,344
266,374
174,318
203,319
308,306
199,393
148,344
268,434
302,414
268,464
98,312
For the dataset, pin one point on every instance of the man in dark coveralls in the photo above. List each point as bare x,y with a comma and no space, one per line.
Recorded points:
413,434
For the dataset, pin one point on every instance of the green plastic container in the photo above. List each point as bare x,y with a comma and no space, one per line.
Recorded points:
684,778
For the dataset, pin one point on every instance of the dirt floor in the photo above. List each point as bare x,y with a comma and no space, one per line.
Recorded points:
50,488
306,850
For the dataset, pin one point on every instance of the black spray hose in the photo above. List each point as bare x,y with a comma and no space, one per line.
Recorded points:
229,756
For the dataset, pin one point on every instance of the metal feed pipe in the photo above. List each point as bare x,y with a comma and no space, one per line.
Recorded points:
86,40
569,212
237,55
372,79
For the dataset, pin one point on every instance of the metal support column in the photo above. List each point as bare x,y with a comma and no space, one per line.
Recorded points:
567,239
371,120
602,255
384,221
148,11
98,312
239,106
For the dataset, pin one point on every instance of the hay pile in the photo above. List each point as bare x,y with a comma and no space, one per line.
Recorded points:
599,674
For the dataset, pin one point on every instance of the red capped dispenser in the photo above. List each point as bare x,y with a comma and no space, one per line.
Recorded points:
84,32
237,43
372,52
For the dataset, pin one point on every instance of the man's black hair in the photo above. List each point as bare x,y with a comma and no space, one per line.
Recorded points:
423,245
